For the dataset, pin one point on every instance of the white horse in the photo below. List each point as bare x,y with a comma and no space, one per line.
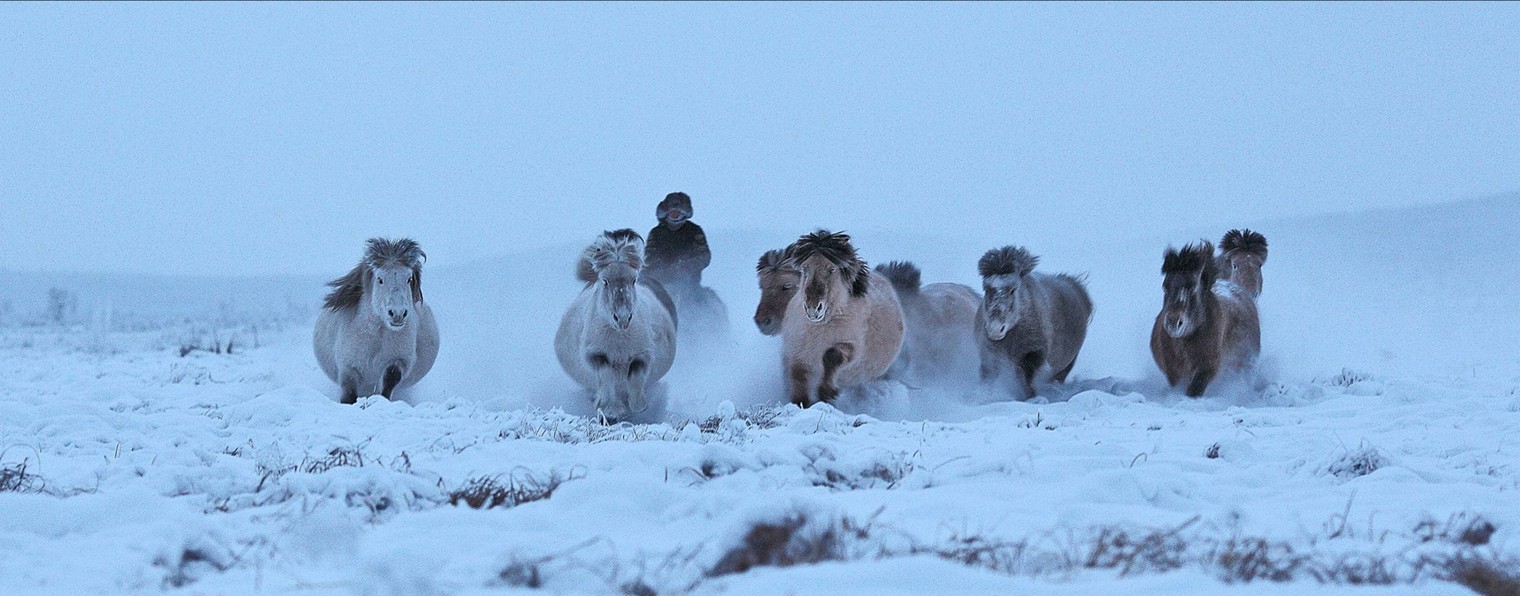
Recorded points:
619,336
375,334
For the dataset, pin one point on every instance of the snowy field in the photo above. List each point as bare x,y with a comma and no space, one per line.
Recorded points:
1377,455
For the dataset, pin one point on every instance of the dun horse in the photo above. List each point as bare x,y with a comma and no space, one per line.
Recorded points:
1208,322
1030,322
375,334
619,336
778,283
844,328
940,319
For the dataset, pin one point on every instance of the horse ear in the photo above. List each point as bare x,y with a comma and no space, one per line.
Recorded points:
416,285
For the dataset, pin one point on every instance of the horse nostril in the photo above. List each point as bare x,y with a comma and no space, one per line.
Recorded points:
391,313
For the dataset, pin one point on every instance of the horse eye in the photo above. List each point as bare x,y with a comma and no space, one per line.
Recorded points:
787,286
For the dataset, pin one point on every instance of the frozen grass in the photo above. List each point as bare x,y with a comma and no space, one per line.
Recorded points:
511,490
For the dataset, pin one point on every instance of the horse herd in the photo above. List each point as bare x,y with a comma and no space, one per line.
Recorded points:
842,323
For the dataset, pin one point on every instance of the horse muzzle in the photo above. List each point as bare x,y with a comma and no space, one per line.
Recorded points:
817,314
996,332
766,325
397,319
1175,327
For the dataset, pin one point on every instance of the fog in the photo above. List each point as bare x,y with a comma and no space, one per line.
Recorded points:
260,139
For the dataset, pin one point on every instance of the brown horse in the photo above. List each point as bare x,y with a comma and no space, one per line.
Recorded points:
778,283
1208,322
844,328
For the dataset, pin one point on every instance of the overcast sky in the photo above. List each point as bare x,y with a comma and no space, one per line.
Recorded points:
266,138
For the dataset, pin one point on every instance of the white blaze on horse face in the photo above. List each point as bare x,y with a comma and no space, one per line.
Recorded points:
390,295
1000,304
1180,317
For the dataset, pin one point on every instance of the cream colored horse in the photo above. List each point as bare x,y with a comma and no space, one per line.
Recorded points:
375,334
844,327
618,337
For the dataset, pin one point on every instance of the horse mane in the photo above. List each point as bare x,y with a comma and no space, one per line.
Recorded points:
616,246
836,247
773,260
379,252
1246,241
905,276
1008,260
674,200
1197,257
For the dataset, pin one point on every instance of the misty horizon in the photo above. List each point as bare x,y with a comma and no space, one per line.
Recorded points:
255,140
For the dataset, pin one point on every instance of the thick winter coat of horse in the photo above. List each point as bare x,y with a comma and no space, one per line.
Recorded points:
375,334
1208,322
1030,323
844,327
940,319
618,338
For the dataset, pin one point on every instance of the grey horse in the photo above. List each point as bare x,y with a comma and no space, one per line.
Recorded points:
619,335
375,334
940,320
1031,322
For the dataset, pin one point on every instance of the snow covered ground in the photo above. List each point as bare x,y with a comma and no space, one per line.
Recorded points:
1379,454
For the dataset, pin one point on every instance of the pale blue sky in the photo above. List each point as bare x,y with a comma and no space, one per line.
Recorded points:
263,138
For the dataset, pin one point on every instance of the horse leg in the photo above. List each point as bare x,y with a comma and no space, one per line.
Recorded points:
899,369
992,365
833,359
1201,380
1028,366
349,381
638,379
799,384
1060,377
391,380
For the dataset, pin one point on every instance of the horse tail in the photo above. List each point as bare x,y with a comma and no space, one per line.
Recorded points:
1077,292
1244,251
905,277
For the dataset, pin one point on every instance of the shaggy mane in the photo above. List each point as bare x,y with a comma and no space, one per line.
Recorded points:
905,276
773,260
1193,258
1245,241
836,248
379,252
1190,258
616,246
1008,260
